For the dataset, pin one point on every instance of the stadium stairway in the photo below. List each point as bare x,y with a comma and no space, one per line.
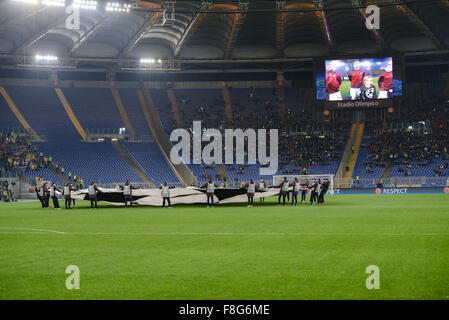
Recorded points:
174,106
222,171
70,113
121,109
59,174
446,91
386,172
346,155
16,112
154,123
228,105
131,163
353,157
281,100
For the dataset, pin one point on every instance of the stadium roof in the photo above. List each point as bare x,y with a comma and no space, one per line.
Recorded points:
220,31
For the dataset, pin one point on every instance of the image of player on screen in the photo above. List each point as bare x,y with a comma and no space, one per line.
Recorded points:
356,76
368,90
386,82
333,83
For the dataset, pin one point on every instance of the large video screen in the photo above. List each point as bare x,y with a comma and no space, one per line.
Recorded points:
359,79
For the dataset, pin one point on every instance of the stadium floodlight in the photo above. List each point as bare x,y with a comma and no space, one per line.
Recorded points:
54,3
85,4
243,5
280,4
318,4
46,58
117,7
206,4
147,61
168,14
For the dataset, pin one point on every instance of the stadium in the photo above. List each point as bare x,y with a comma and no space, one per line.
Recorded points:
224,150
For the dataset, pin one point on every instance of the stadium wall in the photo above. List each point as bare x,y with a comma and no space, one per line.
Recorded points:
391,191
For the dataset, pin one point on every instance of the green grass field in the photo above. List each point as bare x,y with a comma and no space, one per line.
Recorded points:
229,252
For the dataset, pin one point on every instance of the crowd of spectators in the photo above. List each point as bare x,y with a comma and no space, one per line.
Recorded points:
16,151
303,141
409,147
18,154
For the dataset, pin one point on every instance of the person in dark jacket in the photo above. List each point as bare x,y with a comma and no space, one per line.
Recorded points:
39,194
324,187
46,195
312,188
305,186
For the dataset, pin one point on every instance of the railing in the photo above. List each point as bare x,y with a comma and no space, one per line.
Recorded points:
99,134
23,132
407,125
8,174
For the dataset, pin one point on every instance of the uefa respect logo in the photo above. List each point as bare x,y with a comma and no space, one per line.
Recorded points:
213,151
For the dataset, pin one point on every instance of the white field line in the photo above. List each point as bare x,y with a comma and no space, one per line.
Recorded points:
25,230
46,231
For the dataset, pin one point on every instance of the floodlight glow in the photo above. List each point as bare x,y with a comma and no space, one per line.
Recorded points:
54,3
147,61
27,1
85,4
40,58
117,7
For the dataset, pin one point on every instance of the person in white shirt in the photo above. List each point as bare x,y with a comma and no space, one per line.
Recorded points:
93,189
165,194
263,186
54,197
296,187
210,190
128,193
67,193
250,191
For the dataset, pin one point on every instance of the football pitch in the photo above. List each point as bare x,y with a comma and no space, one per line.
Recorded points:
230,251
